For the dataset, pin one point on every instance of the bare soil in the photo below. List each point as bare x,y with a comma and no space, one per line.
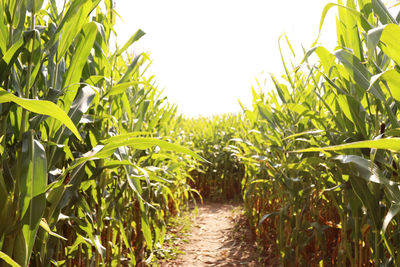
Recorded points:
219,237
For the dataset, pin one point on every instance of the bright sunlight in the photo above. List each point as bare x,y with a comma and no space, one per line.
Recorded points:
206,54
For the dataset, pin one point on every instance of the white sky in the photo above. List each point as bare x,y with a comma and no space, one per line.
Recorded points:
207,53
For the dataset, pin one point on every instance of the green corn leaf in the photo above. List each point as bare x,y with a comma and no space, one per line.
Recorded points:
370,172
351,33
34,6
392,78
73,75
80,105
121,87
354,111
70,17
131,68
281,89
126,136
10,57
373,38
20,254
32,184
147,231
117,163
74,20
94,79
18,9
34,177
142,113
124,237
361,19
142,143
41,107
382,13
265,112
105,151
313,132
367,198
391,144
359,72
298,108
127,106
8,260
393,211
326,58
135,37
3,32
288,76
54,11
390,37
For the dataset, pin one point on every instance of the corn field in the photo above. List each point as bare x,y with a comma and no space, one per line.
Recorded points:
94,160
322,179
88,175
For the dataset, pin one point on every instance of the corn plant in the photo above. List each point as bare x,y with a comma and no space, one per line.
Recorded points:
212,138
322,168
86,178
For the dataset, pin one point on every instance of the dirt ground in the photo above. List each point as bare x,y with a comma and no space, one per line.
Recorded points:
218,238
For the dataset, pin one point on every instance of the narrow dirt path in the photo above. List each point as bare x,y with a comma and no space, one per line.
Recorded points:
216,239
